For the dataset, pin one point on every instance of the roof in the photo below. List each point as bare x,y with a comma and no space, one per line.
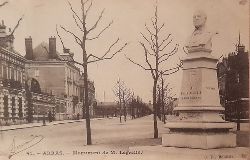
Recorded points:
13,52
40,52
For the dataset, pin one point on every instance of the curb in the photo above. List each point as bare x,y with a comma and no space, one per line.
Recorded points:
40,125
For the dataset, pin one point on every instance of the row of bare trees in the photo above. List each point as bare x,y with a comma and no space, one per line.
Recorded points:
165,97
128,102
155,48
124,96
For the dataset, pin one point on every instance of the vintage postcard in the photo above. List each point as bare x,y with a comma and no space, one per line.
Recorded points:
124,79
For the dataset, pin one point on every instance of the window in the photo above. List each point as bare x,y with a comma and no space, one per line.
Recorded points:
37,72
20,107
12,73
4,72
13,109
5,108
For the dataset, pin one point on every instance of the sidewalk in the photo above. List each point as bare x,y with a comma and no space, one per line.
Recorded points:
40,124
32,125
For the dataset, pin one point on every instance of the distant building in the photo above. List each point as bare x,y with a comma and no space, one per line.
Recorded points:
56,74
12,80
233,78
91,95
106,109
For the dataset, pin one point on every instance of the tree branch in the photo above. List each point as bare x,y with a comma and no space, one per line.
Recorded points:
110,47
173,52
166,74
146,69
152,46
165,45
18,22
73,61
90,5
4,3
161,27
97,22
172,70
60,37
77,39
149,30
101,31
74,13
105,54
146,58
164,40
77,23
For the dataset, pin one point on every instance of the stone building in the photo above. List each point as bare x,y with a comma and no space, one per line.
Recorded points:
233,79
12,80
57,75
91,95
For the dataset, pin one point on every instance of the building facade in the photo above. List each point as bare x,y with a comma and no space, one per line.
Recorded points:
233,78
57,75
12,80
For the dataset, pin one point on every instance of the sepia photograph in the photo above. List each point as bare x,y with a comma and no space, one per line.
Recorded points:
124,80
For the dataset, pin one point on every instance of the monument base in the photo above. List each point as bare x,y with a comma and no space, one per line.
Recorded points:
199,140
200,124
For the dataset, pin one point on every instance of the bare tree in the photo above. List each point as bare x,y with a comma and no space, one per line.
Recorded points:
87,35
165,94
117,90
124,96
156,54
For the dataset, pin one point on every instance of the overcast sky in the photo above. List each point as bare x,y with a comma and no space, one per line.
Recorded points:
228,17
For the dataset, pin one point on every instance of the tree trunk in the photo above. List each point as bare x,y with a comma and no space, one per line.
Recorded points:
120,112
86,100
162,100
155,110
120,103
124,107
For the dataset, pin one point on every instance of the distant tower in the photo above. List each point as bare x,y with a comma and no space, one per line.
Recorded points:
240,48
2,29
6,41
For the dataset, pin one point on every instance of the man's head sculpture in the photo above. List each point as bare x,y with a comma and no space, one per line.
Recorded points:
199,19
201,39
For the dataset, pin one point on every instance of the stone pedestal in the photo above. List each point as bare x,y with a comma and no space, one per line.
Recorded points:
200,124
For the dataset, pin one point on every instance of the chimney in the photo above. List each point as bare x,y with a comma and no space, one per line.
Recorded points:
52,48
29,48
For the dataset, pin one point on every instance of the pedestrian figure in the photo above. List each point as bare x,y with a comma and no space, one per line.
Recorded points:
44,120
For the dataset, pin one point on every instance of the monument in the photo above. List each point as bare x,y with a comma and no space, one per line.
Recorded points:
199,124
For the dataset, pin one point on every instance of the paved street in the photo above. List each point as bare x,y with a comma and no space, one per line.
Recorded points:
107,134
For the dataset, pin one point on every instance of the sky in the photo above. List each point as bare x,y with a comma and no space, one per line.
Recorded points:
40,17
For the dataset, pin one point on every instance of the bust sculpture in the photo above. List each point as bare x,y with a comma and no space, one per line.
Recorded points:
200,40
